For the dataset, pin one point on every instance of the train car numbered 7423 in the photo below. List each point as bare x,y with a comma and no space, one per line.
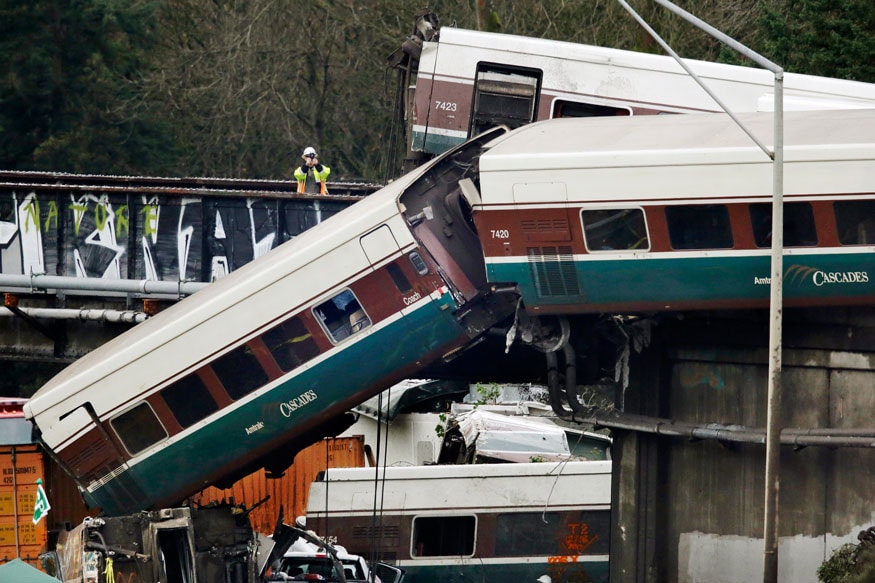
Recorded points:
268,359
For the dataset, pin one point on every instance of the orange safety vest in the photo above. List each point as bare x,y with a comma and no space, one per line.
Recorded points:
302,184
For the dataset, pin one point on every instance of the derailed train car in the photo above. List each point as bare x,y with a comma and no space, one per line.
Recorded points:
647,215
244,374
657,213
172,544
465,81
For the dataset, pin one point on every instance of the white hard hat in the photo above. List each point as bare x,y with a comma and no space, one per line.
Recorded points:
544,579
309,150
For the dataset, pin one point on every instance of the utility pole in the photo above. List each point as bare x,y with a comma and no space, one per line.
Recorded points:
776,154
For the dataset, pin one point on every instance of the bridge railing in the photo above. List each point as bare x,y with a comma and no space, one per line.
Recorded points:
123,236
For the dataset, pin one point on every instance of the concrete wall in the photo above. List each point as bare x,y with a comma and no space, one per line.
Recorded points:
702,502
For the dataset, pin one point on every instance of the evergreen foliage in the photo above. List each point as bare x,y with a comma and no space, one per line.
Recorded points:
832,38
238,88
71,87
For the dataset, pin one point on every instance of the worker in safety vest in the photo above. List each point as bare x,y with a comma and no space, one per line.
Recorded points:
312,174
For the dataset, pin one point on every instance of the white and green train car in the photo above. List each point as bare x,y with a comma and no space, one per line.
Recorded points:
481,522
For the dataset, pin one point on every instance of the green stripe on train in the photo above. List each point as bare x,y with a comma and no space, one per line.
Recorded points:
560,571
434,143
696,279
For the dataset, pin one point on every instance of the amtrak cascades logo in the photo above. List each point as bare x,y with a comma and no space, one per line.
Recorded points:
801,273
289,407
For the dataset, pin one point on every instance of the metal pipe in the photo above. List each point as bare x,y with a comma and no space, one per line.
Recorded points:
114,316
135,286
775,386
571,379
799,438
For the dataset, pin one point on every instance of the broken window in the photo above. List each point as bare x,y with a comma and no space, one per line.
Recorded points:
291,344
239,371
138,428
342,315
562,108
189,400
443,536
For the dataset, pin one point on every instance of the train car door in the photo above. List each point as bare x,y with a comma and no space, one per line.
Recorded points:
379,245
174,550
504,95
95,453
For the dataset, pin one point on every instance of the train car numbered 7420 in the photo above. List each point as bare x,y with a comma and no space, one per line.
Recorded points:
265,361
674,212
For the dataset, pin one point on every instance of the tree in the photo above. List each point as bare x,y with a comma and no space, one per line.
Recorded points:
833,38
71,87
248,84
851,563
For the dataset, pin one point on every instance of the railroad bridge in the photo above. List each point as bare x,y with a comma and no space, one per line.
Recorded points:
84,257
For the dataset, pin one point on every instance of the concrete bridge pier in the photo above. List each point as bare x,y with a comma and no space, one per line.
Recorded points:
691,509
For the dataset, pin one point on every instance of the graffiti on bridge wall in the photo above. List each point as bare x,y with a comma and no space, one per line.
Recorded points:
139,236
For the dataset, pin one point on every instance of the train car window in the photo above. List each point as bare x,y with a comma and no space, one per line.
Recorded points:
138,428
615,229
528,533
855,220
189,400
240,372
703,226
342,315
562,108
291,344
799,229
398,278
443,536
418,263
520,534
504,95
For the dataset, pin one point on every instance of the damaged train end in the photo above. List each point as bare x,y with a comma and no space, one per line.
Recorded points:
213,543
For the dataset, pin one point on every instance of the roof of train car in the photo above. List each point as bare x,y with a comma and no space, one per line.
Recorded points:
827,87
221,296
599,142
452,487
467,471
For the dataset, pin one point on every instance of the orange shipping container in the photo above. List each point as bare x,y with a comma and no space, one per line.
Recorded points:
289,492
20,467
